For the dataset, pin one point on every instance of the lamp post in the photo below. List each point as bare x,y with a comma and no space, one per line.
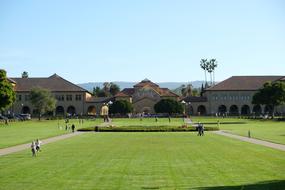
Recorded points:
184,107
109,103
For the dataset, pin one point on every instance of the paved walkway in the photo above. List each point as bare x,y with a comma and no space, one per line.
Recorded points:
252,140
18,148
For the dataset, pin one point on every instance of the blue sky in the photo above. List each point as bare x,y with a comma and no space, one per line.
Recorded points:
129,40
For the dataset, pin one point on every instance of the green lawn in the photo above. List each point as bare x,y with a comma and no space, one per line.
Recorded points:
266,130
273,131
23,132
145,161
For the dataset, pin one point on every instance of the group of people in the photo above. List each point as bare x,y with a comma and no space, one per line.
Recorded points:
200,129
36,147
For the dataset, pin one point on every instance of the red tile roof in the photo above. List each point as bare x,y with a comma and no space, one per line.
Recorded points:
166,92
146,82
53,83
128,92
246,83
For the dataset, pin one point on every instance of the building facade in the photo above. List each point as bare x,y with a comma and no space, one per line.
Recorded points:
144,95
71,99
232,96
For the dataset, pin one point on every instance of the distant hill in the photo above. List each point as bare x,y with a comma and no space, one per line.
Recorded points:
171,85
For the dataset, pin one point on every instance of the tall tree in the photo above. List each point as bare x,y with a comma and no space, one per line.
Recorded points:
213,63
7,94
168,106
96,91
183,90
209,68
42,100
25,74
122,107
114,89
203,65
271,94
186,90
106,88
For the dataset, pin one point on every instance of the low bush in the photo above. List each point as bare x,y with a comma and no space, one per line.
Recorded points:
144,129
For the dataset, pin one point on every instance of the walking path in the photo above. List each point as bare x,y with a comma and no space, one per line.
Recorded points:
18,148
251,140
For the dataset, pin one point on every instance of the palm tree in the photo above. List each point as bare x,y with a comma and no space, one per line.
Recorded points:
210,70
203,65
213,64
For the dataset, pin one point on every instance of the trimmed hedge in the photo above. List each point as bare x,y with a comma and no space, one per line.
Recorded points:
144,129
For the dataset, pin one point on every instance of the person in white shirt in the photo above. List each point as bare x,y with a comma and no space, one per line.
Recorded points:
38,145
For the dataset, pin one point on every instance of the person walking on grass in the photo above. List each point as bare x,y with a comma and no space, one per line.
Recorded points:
38,145
73,127
33,148
202,129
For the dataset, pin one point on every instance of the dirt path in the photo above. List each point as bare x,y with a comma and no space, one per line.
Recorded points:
251,140
18,148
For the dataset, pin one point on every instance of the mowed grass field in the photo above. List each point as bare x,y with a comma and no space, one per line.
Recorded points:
269,130
24,132
145,161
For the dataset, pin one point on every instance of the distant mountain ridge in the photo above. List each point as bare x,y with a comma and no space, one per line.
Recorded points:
171,85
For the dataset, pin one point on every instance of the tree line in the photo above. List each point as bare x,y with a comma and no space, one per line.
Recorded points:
108,89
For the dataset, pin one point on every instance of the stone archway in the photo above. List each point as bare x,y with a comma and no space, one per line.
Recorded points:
91,110
245,110
26,110
222,109
201,110
146,110
59,110
71,110
233,110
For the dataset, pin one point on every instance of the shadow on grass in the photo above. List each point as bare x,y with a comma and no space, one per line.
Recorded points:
266,185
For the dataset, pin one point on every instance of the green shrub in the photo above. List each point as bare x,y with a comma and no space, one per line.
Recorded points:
145,129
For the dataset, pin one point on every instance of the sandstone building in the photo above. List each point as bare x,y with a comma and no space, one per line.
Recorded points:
144,95
232,96
71,99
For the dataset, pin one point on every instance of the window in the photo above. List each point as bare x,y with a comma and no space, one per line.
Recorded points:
78,97
27,97
19,97
59,97
69,97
